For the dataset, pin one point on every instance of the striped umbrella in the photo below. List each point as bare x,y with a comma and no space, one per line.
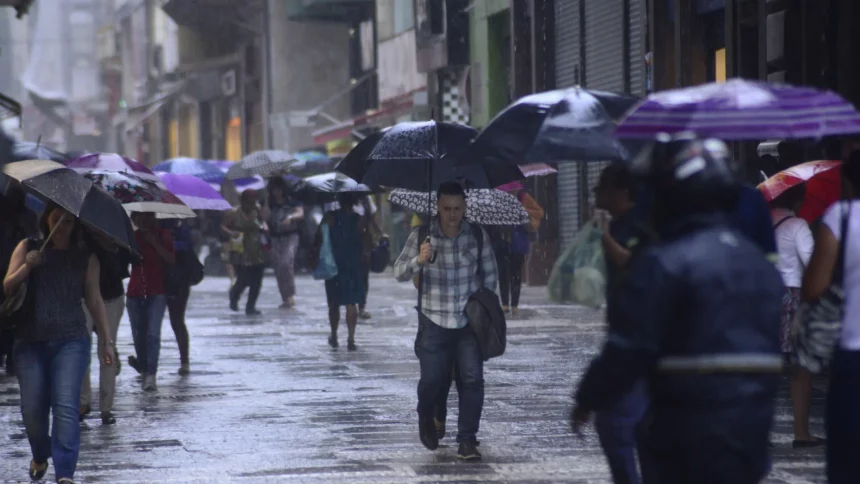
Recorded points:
203,169
112,162
194,192
93,206
263,163
741,109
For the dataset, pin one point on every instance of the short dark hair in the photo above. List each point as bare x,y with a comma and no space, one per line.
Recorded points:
617,176
790,198
450,188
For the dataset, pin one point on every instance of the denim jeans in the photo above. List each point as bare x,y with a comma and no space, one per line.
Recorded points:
145,316
50,376
438,349
617,429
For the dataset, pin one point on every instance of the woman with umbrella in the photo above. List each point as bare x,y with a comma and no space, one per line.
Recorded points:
284,224
52,351
245,224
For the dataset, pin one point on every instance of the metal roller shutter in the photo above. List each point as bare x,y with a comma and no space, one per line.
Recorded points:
604,44
637,47
567,63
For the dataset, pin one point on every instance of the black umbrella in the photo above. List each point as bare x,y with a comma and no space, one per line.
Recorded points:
324,188
420,156
93,206
25,150
355,163
552,127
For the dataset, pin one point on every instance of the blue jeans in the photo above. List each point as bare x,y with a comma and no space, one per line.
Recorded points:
842,421
50,376
617,432
145,316
437,349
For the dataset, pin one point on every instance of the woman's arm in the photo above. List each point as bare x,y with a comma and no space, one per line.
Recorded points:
96,307
819,274
18,270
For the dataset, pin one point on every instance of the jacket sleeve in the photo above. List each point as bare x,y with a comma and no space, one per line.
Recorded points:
645,306
407,263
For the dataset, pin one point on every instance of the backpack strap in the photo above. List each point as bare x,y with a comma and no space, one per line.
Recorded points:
478,234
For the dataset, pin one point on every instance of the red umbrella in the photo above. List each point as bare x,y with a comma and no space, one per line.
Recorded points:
823,186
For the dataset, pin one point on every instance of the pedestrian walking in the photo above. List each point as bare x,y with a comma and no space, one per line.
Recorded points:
348,287
794,245
178,288
146,297
699,322
842,422
448,265
623,238
244,225
285,219
511,246
113,268
52,350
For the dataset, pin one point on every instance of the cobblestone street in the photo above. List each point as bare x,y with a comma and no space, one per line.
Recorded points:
269,401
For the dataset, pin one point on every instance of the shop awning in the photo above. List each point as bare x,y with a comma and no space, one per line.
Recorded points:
378,118
139,114
227,18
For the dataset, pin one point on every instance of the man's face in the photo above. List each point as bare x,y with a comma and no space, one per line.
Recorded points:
452,208
606,196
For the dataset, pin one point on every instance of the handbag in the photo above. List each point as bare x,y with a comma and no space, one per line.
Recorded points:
326,267
380,257
818,325
19,307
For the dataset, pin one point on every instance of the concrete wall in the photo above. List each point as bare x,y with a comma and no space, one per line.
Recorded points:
309,64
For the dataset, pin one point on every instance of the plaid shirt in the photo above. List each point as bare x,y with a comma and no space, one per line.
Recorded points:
451,280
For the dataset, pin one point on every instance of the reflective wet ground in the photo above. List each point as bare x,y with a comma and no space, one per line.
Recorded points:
269,401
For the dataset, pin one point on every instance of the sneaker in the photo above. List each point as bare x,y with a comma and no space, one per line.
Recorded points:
65,480
149,383
108,418
468,450
184,369
440,428
132,362
427,432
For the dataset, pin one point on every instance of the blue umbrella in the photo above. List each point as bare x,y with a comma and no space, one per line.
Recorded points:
203,169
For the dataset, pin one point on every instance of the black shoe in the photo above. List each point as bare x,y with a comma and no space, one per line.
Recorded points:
332,341
440,428
234,306
132,362
108,418
252,312
427,433
38,471
350,346
468,450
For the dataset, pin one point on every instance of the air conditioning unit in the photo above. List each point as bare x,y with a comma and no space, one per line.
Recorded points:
228,83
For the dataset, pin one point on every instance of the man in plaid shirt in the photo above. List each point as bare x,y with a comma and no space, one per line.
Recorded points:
444,337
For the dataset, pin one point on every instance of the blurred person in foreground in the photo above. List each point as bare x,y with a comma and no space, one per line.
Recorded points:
699,322
842,419
52,350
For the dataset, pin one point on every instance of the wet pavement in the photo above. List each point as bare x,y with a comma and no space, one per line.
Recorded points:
269,401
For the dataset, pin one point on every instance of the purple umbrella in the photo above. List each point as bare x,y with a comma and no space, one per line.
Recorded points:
741,109
112,162
195,192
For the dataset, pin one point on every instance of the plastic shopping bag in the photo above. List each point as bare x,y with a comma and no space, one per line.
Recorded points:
579,275
327,267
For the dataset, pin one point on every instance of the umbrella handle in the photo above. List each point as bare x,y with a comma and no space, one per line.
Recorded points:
433,256
48,239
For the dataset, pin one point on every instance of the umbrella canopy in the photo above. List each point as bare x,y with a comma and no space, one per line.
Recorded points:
93,206
139,195
355,163
326,187
263,163
25,150
554,126
823,186
483,206
311,161
194,192
112,162
203,169
537,169
741,109
421,155
256,182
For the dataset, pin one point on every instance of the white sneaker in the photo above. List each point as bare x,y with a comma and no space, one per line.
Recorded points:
149,383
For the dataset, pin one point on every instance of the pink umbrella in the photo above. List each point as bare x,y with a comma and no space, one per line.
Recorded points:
112,162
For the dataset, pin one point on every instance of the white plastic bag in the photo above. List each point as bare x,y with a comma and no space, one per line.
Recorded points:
579,275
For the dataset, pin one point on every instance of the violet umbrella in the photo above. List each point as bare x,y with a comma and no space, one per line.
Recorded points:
196,193
112,162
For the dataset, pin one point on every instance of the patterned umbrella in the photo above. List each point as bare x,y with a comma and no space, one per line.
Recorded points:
94,207
263,163
140,195
194,192
483,206
112,162
741,109
823,186
203,169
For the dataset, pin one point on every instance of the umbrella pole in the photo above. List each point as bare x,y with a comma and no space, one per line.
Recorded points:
48,239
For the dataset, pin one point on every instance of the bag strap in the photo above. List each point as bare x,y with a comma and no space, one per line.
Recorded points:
786,219
839,271
479,239
423,233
